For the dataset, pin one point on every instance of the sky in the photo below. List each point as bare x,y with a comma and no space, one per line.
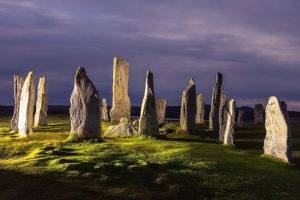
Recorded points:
254,43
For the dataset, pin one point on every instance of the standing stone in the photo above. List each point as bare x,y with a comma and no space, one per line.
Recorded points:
104,110
241,118
222,114
120,100
258,114
278,140
27,105
40,118
200,109
188,107
84,110
161,106
215,104
18,85
148,119
229,111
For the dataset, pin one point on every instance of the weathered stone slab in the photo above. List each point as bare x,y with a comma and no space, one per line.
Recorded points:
241,118
18,85
148,124
259,114
26,105
200,109
122,130
215,105
121,105
161,106
278,140
188,107
104,110
40,118
84,110
229,123
223,114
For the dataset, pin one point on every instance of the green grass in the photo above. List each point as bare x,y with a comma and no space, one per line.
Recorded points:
178,166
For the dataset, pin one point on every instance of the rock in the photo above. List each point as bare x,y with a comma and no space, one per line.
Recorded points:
241,118
229,111
148,119
27,105
18,85
258,114
124,120
223,110
104,110
200,109
215,105
121,105
40,118
120,131
136,123
161,106
84,110
278,140
188,107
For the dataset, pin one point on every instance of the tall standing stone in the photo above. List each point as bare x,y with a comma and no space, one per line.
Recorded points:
27,100
241,118
40,118
188,107
18,85
215,104
104,110
148,118
161,107
121,104
223,114
278,140
258,114
200,109
229,113
84,110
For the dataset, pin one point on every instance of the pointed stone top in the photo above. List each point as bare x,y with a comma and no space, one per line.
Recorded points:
192,81
219,77
80,71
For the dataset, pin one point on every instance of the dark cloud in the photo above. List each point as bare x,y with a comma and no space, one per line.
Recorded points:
255,43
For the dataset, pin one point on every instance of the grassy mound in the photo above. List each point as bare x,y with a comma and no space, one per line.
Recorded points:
178,166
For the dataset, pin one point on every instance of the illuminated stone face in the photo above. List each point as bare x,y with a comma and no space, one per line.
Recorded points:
229,123
188,107
121,105
200,109
278,141
104,111
18,85
40,118
27,101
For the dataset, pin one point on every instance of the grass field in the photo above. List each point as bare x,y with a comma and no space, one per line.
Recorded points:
178,166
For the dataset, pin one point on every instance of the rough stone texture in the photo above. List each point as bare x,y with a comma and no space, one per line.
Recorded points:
278,140
84,110
241,118
40,118
27,105
188,107
104,111
258,114
136,123
120,131
161,106
123,120
229,123
121,105
200,109
18,85
215,105
148,119
222,114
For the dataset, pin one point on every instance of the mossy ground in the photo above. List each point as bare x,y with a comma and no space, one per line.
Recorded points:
178,166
